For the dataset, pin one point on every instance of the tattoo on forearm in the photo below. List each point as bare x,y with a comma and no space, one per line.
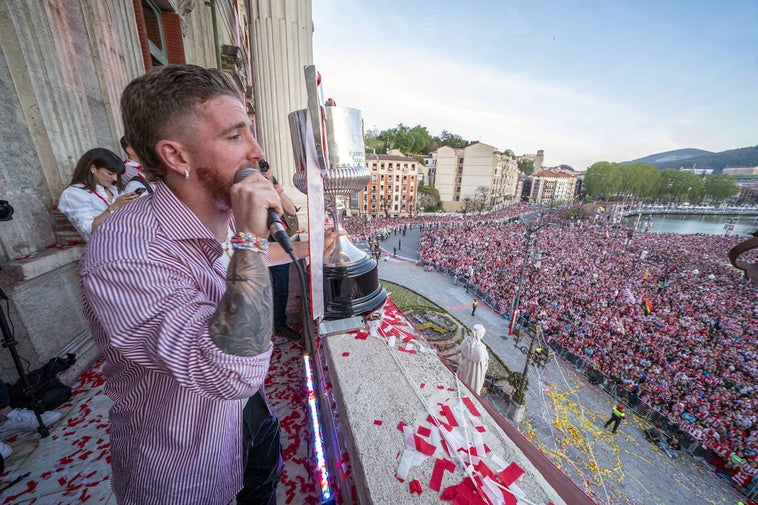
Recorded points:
243,321
232,275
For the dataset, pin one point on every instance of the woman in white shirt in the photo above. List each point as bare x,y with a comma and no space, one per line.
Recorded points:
94,193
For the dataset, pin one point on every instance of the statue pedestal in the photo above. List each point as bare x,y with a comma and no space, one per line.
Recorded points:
516,412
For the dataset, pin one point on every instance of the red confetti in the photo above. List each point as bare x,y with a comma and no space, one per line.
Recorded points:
401,425
415,487
345,354
423,385
377,422
424,431
449,493
435,421
483,469
423,446
471,407
447,412
511,473
440,465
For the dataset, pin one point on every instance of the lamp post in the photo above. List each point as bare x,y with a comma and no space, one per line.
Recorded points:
532,228
534,335
516,410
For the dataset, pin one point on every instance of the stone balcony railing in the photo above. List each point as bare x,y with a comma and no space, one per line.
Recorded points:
408,431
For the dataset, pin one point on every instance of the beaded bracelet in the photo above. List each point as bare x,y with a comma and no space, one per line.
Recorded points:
249,242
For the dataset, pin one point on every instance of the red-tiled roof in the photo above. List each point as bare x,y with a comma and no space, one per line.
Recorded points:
550,173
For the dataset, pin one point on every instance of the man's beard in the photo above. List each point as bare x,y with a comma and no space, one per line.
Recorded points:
215,185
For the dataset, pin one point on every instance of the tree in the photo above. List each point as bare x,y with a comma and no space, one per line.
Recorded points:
373,143
603,178
680,185
450,139
481,197
526,166
468,204
639,179
410,141
509,153
428,198
719,187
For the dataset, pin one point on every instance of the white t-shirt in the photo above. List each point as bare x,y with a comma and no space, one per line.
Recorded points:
81,206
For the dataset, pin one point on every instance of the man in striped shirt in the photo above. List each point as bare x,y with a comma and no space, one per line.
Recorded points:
185,325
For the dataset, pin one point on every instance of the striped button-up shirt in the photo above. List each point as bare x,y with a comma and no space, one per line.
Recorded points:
152,276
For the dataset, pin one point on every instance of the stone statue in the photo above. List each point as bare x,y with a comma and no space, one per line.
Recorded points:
474,359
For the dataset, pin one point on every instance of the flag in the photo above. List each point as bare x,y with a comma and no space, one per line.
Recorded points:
648,306
629,296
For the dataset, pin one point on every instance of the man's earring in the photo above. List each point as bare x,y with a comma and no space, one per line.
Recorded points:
186,174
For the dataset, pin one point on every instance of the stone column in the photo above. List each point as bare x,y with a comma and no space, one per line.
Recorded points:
63,65
281,37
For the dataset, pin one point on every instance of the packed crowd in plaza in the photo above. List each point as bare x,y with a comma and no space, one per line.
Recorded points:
664,315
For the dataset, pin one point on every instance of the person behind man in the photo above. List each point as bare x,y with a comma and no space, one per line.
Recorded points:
134,178
280,274
95,191
132,163
188,268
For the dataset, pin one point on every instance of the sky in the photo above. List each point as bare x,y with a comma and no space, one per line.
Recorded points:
583,80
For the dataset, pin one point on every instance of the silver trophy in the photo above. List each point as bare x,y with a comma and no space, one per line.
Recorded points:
351,281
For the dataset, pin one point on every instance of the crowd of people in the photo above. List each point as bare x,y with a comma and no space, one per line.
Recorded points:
664,315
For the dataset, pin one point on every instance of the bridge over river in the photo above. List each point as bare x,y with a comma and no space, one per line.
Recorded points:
698,210
689,219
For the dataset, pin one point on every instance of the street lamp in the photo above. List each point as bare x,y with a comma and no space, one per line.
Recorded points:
532,228
534,336
517,410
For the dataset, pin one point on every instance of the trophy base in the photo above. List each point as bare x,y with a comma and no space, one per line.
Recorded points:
352,289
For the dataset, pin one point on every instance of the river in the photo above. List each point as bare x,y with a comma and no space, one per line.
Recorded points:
684,223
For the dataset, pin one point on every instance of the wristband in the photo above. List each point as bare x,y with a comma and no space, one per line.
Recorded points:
249,242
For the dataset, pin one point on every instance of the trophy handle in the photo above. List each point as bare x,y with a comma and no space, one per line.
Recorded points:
318,119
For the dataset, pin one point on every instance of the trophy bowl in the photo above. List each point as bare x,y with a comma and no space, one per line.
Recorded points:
351,279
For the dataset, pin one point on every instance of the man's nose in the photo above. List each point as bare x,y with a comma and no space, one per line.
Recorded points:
255,152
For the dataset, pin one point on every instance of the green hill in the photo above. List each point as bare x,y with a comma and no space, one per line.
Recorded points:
698,158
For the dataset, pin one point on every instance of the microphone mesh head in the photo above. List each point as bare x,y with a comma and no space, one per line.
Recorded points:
244,173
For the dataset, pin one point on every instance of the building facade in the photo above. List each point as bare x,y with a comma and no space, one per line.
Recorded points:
538,159
63,65
392,190
477,176
552,186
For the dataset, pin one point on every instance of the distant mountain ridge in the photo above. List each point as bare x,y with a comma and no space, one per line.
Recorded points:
698,158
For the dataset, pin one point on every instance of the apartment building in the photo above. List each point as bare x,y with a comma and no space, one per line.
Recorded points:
459,173
392,190
552,186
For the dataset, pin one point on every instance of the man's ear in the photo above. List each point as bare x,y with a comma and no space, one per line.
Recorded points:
174,154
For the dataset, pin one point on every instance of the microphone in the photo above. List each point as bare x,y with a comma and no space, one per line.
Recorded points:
275,226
